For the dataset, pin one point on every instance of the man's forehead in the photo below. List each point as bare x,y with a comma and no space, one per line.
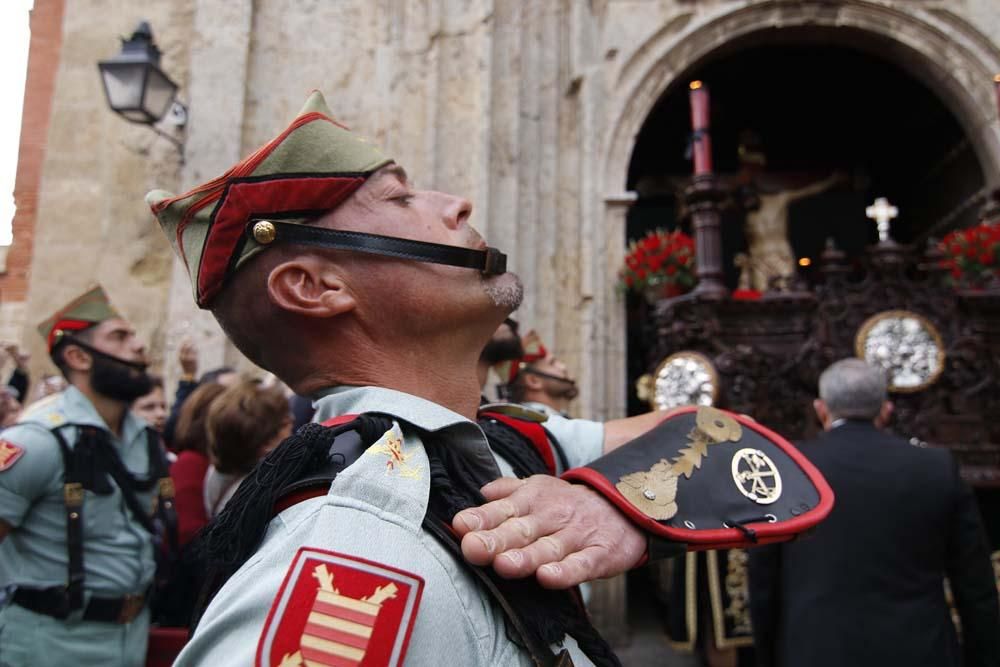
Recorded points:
553,362
114,325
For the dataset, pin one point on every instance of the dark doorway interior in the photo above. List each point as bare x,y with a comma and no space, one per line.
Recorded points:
817,108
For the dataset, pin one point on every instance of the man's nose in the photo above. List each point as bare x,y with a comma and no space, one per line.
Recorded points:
456,211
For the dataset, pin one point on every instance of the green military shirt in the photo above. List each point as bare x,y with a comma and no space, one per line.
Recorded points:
118,552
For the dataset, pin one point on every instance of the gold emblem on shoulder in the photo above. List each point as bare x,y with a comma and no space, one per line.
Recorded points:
654,492
756,476
397,461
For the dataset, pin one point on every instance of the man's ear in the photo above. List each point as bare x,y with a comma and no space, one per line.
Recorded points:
309,286
532,381
822,413
77,358
884,414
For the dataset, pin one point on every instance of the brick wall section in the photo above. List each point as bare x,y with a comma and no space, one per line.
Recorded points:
43,63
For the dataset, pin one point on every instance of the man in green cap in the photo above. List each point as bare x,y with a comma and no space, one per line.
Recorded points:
79,480
304,253
351,542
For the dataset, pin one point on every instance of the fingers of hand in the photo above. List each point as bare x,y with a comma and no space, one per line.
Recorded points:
524,561
481,547
475,550
503,487
513,533
594,540
488,516
548,500
575,569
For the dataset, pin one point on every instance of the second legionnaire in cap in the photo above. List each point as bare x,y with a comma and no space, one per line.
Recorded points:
82,493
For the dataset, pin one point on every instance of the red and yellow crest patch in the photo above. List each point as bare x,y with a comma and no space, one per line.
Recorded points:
9,454
334,610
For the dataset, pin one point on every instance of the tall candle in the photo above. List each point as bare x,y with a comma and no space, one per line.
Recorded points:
701,143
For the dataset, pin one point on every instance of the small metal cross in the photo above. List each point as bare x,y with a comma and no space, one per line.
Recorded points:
882,212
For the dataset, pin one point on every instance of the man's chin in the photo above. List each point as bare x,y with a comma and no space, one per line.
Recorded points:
505,291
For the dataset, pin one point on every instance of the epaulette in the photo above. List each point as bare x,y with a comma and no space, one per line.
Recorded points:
515,410
709,479
44,412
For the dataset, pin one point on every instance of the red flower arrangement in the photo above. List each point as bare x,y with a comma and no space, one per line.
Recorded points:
973,255
661,262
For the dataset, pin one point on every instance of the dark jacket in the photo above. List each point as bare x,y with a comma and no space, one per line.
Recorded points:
184,389
867,587
19,382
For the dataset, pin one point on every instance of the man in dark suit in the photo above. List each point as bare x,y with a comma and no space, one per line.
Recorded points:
867,588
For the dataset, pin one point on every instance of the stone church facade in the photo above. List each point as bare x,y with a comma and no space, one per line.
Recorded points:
528,108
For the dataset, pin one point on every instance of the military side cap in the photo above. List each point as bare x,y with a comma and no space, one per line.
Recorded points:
81,313
533,350
711,479
304,172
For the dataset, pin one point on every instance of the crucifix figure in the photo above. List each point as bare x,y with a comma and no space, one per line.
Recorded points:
882,212
769,260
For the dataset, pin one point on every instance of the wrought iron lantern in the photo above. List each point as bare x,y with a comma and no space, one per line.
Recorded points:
135,86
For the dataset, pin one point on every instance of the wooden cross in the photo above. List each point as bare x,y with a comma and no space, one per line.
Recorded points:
882,212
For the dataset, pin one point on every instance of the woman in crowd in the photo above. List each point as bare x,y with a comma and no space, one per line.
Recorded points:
244,423
188,471
153,406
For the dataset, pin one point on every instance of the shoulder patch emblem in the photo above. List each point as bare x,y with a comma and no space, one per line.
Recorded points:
335,610
9,454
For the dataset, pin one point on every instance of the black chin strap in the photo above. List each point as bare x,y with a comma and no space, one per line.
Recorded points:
548,376
97,353
490,262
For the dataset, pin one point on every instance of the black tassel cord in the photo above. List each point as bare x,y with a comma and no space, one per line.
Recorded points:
550,614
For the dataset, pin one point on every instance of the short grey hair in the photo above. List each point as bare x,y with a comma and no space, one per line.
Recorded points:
853,389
